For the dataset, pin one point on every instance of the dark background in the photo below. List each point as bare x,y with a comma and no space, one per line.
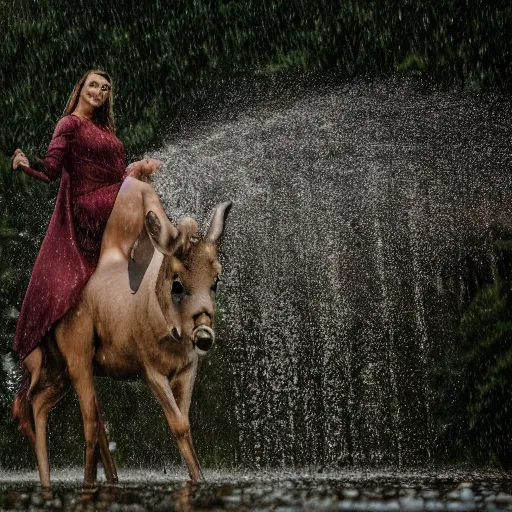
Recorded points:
167,60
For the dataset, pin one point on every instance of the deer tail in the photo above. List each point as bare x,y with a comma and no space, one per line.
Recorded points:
21,410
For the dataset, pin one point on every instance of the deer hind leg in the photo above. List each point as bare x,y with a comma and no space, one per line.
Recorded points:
43,386
106,456
43,401
178,423
32,365
21,410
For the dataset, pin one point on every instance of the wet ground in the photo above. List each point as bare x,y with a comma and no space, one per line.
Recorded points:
279,491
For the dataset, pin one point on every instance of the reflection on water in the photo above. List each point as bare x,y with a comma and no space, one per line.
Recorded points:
285,490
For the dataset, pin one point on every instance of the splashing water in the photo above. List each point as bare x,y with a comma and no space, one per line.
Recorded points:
353,209
344,258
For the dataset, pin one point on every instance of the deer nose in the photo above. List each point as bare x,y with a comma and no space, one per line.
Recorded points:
204,338
202,318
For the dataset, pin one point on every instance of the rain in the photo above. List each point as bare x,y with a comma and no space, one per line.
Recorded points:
362,359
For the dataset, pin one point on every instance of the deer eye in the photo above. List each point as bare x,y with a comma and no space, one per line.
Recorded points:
177,292
213,287
177,288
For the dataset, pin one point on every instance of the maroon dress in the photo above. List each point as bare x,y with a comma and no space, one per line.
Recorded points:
90,161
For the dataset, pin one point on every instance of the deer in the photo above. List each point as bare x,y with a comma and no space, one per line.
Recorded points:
145,313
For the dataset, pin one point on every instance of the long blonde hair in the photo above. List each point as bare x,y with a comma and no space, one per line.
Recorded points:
104,115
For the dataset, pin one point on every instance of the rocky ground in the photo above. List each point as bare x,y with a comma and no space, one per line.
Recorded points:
276,491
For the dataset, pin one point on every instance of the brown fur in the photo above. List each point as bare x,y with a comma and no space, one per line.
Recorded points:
21,410
129,335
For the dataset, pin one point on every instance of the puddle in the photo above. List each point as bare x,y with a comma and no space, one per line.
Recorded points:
279,491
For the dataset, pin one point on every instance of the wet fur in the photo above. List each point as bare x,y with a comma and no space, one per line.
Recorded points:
21,410
94,331
52,376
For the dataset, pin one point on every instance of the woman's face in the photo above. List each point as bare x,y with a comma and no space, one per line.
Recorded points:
95,90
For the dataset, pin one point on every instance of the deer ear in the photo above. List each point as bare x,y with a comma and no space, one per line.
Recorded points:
142,252
217,223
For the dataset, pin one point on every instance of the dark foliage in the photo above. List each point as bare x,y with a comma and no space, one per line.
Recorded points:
474,371
163,52
486,363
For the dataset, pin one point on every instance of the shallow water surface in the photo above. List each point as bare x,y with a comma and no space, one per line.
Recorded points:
280,491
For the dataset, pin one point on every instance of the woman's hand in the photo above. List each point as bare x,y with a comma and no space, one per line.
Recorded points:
143,168
19,158
150,166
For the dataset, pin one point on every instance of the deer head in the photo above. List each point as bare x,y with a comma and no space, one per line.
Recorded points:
195,272
188,274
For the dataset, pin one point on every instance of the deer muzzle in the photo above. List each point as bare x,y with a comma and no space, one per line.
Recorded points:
203,339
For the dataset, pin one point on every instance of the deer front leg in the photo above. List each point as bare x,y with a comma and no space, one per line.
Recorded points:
75,338
178,423
182,386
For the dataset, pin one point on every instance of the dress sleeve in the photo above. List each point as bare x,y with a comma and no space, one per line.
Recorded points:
58,149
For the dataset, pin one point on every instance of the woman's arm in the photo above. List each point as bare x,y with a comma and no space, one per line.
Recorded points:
62,137
20,162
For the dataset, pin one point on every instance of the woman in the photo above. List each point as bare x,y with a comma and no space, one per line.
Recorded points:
90,161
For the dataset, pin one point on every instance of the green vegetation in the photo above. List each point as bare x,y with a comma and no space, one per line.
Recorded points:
472,371
487,371
486,365
164,53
